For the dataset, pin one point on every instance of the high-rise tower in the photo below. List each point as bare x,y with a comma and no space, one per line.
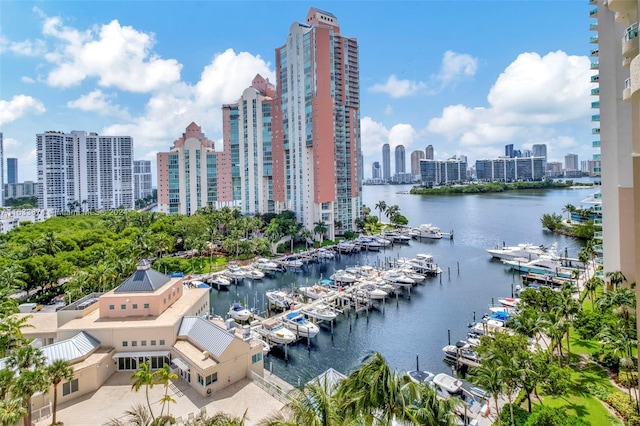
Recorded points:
386,162
400,161
429,152
318,110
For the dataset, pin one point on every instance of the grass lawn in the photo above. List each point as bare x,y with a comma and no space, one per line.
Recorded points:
580,403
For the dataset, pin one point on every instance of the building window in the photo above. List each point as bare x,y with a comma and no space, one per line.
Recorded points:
256,358
134,343
143,343
146,306
112,307
70,387
206,381
161,342
135,306
153,343
125,344
123,307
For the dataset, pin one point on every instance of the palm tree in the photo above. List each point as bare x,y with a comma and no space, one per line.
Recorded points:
489,376
320,228
568,307
144,377
13,277
555,327
56,372
11,333
218,419
163,376
11,411
305,234
568,209
527,323
392,211
51,243
615,278
26,385
382,208
591,288
431,410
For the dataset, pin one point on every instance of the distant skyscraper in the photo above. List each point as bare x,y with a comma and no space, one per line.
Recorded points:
141,179
429,152
386,162
1,173
416,156
539,150
571,162
192,175
12,170
317,119
508,150
400,161
82,171
376,171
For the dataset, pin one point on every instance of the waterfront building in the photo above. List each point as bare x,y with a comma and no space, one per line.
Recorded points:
12,170
12,218
318,113
193,174
386,162
416,156
510,169
554,169
571,162
142,186
402,178
257,172
1,170
448,172
150,317
539,150
21,189
400,160
616,66
428,152
82,171
376,171
508,150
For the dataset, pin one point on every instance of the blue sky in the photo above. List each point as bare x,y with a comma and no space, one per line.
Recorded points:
467,77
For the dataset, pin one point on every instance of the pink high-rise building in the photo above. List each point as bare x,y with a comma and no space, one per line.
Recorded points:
318,85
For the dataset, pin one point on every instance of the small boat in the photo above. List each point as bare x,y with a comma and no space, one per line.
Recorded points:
253,273
421,376
321,312
525,250
544,265
374,292
314,292
324,253
397,277
346,247
509,302
239,312
448,383
342,276
265,347
369,243
426,230
266,265
219,281
276,332
297,323
279,298
235,273
413,275
292,262
199,284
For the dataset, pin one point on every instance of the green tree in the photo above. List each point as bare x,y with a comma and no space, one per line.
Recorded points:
320,228
590,289
568,209
11,411
12,277
56,372
615,278
381,206
144,377
29,362
164,376
551,221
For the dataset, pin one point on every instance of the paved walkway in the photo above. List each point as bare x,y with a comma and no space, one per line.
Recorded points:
115,397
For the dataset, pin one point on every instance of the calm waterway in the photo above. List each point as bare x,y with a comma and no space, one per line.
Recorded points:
419,325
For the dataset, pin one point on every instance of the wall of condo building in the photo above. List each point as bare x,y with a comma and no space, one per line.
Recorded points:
1,169
193,174
416,156
438,172
511,169
12,170
84,171
386,162
142,179
616,94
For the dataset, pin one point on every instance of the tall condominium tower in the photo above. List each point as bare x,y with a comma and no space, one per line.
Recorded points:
82,171
571,162
400,160
257,175
142,186
428,151
12,170
539,150
1,171
416,156
386,162
318,110
193,174
616,66
376,171
508,151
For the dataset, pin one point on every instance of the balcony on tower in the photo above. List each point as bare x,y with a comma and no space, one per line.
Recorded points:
630,41
626,93
593,26
595,131
593,39
595,104
594,53
596,156
595,91
595,144
595,78
593,13
595,65
595,117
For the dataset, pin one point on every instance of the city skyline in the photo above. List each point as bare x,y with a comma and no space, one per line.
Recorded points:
462,94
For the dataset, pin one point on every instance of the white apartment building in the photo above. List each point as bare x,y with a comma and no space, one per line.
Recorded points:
82,171
142,186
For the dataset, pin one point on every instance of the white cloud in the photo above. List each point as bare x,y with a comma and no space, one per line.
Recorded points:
402,134
372,136
532,94
457,65
399,88
18,107
8,144
118,56
22,48
28,80
98,102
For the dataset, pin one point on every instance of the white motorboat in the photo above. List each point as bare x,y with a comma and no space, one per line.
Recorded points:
450,384
397,277
239,312
266,265
235,273
525,251
509,302
417,277
219,281
373,292
342,276
276,332
544,265
265,347
297,323
427,230
253,273
322,312
369,243
324,253
314,292
279,299
423,264
397,237
421,377
384,241
292,262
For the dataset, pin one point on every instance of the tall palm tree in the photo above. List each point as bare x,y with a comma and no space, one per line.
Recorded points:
527,323
11,333
431,410
320,228
144,377
568,209
590,290
13,277
11,411
164,376
218,419
382,208
51,243
489,376
305,234
568,307
26,384
616,278
56,372
555,327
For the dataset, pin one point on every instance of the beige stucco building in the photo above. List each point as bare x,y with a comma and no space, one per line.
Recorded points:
148,318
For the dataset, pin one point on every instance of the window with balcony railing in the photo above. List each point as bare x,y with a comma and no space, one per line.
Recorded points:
595,104
595,78
595,91
595,131
594,52
593,12
631,32
595,117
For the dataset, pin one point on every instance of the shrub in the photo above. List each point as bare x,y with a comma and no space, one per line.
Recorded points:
587,324
625,407
598,390
549,416
628,379
520,416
